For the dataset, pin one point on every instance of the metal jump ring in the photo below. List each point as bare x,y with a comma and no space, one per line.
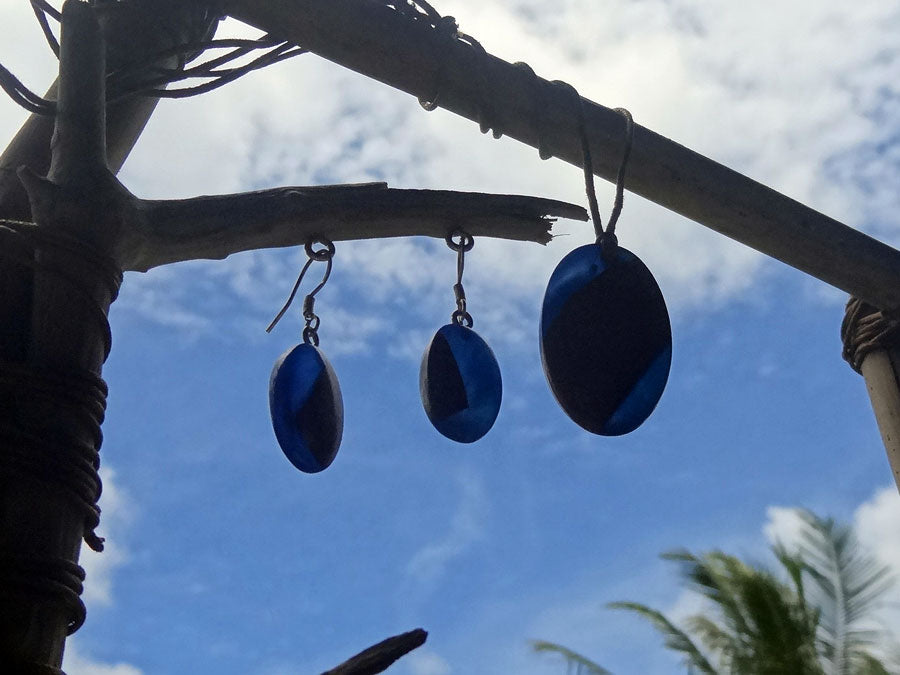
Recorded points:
321,255
462,318
312,322
310,336
466,241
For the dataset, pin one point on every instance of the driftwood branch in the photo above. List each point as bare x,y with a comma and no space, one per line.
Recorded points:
380,657
162,232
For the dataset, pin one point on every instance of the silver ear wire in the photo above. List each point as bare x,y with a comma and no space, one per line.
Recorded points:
310,331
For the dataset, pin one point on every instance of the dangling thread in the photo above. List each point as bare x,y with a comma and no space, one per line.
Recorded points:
538,110
448,29
326,255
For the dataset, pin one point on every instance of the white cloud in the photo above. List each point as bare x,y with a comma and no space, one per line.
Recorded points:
426,662
466,528
78,664
875,523
783,526
117,514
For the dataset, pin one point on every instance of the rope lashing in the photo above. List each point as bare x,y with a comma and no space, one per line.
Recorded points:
866,329
54,578
448,35
69,463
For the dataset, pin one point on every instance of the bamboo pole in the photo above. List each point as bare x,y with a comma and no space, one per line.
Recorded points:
881,370
377,41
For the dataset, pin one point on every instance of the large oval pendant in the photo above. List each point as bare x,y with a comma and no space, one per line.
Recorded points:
460,384
606,340
307,408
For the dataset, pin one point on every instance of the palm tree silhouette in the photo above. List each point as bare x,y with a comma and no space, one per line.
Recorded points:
815,618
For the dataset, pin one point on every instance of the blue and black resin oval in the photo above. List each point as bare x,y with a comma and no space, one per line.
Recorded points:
460,384
606,340
307,408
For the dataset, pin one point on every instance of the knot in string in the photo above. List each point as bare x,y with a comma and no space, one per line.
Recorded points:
866,329
461,316
326,255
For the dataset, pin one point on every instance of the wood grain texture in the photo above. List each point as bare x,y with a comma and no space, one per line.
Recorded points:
162,232
881,370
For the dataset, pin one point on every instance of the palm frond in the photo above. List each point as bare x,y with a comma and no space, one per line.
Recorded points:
847,585
583,665
866,664
675,638
716,640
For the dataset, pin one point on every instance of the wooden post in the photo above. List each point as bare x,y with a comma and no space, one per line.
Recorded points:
53,328
42,530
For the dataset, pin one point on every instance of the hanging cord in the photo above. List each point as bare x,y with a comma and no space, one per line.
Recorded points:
866,329
605,237
326,255
460,317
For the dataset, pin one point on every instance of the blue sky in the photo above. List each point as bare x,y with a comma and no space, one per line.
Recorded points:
224,559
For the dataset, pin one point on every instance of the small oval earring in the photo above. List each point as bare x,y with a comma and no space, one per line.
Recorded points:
606,339
459,379
304,395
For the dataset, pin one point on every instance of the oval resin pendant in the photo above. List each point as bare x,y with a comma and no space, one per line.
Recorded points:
307,408
460,384
606,340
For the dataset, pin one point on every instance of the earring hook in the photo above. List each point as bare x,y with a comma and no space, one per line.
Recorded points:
310,335
460,317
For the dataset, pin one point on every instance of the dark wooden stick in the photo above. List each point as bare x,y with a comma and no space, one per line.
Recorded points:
370,38
163,232
39,520
378,658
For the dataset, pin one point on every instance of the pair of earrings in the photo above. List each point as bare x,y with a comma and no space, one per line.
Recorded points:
459,378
